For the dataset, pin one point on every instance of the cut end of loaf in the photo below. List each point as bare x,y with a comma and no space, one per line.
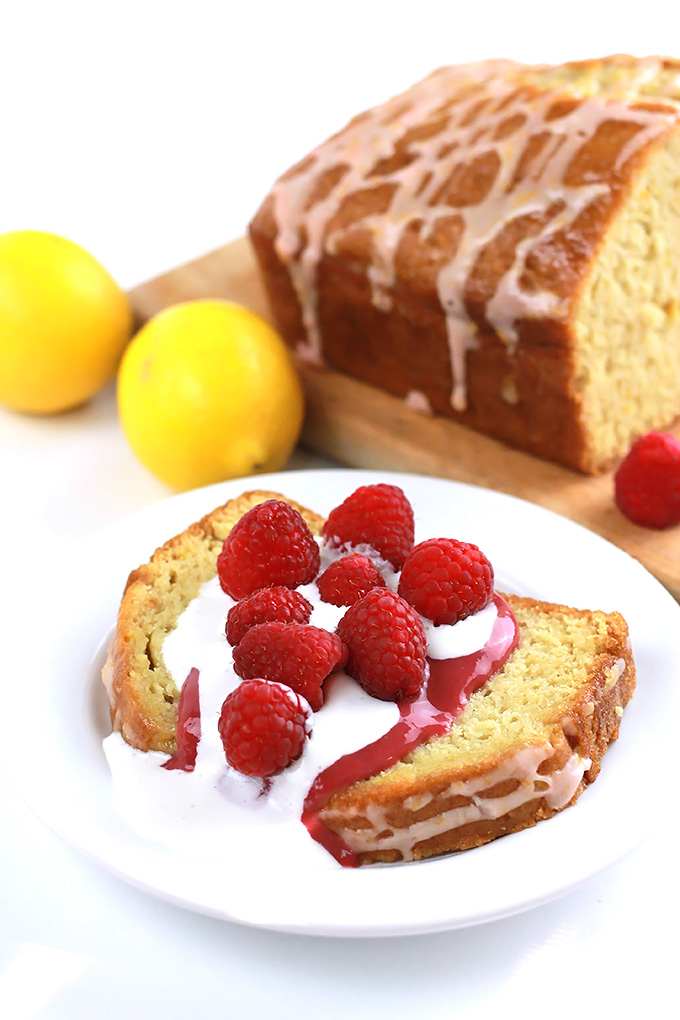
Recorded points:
627,322
627,317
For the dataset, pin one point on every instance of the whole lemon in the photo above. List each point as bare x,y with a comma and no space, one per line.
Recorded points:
63,323
207,390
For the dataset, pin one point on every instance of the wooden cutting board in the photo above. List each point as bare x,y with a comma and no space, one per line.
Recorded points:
362,427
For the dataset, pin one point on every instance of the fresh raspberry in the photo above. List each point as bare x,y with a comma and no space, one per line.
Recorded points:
386,645
269,546
375,515
266,606
263,727
295,654
348,580
647,482
446,580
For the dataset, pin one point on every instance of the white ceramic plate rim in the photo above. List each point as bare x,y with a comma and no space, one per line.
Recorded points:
63,775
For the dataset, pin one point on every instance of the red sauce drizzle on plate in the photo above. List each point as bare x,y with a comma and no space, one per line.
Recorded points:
430,714
188,726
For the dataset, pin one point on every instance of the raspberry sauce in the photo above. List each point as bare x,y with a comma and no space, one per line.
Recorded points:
450,684
188,726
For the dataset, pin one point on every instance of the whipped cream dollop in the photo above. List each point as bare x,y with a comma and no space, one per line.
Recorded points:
210,811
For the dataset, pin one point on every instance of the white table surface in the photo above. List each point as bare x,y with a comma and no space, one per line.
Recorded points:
148,133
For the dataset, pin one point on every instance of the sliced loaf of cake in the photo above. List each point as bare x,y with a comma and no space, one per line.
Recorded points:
500,243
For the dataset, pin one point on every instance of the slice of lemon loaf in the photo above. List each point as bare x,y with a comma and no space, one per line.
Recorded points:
524,747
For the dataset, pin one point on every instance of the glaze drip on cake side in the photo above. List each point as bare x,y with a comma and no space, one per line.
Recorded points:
466,156
477,799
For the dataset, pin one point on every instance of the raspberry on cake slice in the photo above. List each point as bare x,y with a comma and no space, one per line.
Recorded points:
266,605
387,650
446,580
348,579
263,727
376,515
295,654
270,545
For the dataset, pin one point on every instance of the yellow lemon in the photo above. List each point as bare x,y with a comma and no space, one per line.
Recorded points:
207,390
63,323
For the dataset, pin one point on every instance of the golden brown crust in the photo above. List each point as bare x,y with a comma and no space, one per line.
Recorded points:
142,694
526,391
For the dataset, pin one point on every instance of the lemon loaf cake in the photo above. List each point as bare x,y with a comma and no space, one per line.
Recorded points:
524,746
500,244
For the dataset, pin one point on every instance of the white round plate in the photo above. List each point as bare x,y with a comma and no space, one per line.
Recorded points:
63,775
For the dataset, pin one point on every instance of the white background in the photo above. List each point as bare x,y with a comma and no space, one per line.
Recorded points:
148,133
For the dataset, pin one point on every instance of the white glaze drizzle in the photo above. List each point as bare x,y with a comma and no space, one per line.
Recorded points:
417,401
614,674
305,229
556,788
